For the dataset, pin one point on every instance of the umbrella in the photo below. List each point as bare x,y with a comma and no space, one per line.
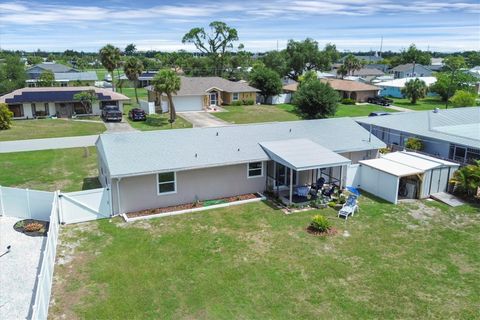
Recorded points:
353,190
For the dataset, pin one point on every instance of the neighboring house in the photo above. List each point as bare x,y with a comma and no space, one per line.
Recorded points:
166,168
410,70
436,64
367,59
200,93
368,74
393,88
379,66
355,90
145,79
28,103
451,134
64,76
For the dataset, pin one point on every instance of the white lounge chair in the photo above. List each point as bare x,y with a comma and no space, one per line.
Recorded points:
349,207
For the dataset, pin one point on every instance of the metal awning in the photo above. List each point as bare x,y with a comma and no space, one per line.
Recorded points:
302,154
392,167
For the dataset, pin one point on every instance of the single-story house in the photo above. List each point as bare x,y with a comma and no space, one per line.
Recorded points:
393,88
355,90
200,93
452,134
366,74
368,59
35,71
144,79
411,70
64,76
28,103
405,175
166,168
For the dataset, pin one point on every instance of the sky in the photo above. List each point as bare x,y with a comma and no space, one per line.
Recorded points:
87,25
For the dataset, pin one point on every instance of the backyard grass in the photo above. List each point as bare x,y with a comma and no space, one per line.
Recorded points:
410,261
49,128
130,92
429,103
258,113
179,123
59,169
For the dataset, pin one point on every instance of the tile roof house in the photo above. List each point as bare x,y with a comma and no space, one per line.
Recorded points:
28,103
166,168
199,93
64,76
410,70
451,134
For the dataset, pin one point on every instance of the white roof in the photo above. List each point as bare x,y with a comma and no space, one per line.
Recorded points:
402,164
302,154
400,83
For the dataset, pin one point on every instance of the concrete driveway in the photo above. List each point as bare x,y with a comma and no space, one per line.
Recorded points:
114,127
201,119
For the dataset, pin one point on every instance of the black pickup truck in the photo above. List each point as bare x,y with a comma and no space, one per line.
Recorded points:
111,113
380,101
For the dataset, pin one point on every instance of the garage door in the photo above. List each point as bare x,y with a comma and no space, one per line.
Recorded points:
191,103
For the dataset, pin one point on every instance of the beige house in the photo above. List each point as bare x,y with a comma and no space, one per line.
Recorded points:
200,93
147,170
355,90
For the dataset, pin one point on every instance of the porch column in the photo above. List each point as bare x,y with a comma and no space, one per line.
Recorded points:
291,186
341,177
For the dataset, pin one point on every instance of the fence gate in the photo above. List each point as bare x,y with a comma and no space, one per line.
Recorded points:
85,205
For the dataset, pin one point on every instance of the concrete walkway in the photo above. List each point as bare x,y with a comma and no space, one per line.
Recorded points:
201,119
401,109
49,143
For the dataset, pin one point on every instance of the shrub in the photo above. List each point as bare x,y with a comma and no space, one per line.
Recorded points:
33,226
466,180
348,101
155,120
236,103
463,98
320,223
248,102
5,117
385,150
414,144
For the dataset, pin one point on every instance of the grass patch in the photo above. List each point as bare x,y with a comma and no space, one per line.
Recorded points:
59,169
130,92
252,261
179,123
49,128
429,103
344,110
258,113
100,73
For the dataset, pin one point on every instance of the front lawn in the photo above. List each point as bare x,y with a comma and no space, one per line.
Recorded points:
130,92
258,113
429,103
411,261
58,169
179,123
49,128
363,110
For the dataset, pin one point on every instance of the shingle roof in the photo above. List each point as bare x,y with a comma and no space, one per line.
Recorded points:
458,125
368,72
196,86
54,67
338,84
407,67
57,94
73,76
171,150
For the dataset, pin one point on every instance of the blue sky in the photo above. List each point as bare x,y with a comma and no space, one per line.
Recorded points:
443,25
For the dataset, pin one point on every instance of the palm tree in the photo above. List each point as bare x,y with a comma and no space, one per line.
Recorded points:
110,58
342,71
352,64
414,90
166,81
133,68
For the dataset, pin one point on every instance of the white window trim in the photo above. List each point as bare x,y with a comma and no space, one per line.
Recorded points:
233,96
174,184
248,170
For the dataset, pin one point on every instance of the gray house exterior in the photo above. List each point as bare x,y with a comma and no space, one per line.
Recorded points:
148,170
410,70
452,134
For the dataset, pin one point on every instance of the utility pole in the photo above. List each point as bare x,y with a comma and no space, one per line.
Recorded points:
381,46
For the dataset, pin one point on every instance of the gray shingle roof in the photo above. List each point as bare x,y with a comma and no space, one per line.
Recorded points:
408,67
196,86
73,76
458,125
54,67
173,150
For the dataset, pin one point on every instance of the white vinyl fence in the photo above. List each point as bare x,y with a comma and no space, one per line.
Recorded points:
25,203
353,175
148,107
44,280
85,205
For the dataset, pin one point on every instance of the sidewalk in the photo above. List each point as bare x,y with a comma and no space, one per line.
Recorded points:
49,143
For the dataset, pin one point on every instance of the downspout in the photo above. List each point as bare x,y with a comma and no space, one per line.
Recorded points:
118,195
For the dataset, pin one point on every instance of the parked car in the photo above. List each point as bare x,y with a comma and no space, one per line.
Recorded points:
378,113
111,113
137,114
380,101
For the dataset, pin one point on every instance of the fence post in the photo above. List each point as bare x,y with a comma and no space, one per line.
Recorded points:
1,203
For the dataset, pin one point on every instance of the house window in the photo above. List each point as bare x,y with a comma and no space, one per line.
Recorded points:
283,175
235,96
255,169
167,183
63,84
17,110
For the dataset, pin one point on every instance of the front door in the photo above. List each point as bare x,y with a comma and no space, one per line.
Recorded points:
64,110
213,98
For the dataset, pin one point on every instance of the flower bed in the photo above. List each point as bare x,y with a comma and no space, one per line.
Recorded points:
32,228
315,232
193,205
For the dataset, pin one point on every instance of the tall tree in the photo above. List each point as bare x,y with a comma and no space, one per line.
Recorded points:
415,89
275,60
167,82
414,55
352,64
315,99
46,79
130,49
302,56
265,80
133,68
216,43
448,83
12,74
87,99
110,58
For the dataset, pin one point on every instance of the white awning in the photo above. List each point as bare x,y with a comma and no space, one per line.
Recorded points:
302,154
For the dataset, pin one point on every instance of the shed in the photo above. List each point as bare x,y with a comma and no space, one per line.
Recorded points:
405,175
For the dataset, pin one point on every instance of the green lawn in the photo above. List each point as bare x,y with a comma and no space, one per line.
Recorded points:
422,104
179,123
65,169
344,110
100,73
411,261
258,113
130,92
49,128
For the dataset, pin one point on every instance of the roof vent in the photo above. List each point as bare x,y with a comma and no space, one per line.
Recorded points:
238,149
217,133
196,155
290,130
435,110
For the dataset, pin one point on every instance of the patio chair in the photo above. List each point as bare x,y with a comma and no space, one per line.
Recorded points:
349,207
302,191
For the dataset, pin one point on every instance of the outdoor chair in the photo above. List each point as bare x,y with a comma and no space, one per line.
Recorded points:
349,207
302,191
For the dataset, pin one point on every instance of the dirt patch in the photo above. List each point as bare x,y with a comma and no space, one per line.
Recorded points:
192,205
315,232
423,212
462,264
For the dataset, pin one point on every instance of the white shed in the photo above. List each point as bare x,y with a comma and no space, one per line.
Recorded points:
405,175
